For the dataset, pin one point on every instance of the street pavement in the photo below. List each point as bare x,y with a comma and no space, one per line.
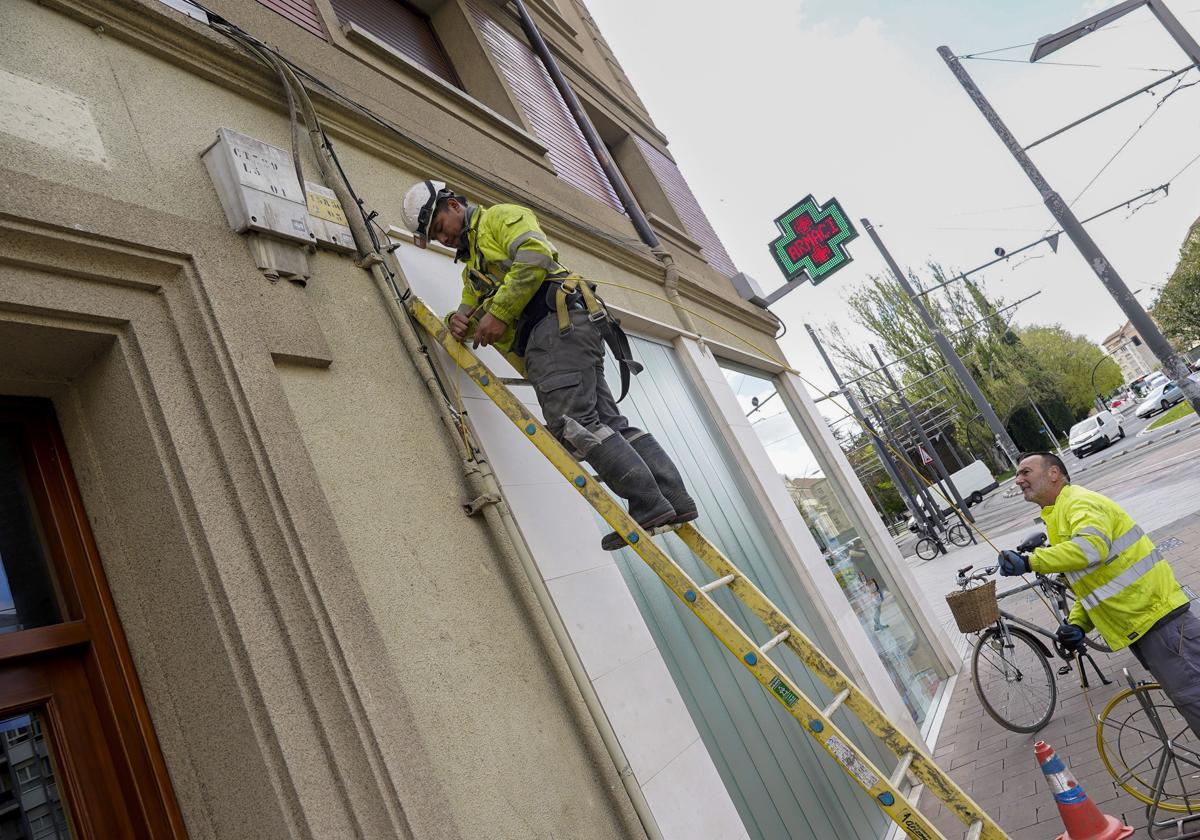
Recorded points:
1157,479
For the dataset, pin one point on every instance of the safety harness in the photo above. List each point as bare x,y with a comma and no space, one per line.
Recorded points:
570,292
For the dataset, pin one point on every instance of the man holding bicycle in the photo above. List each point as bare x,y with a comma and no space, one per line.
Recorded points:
1124,588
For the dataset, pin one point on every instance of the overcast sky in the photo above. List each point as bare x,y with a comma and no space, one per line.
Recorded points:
766,102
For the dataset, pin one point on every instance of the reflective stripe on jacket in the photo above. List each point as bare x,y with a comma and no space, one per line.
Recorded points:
508,258
1121,582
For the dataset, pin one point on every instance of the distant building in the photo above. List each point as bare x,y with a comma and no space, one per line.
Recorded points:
814,498
1130,352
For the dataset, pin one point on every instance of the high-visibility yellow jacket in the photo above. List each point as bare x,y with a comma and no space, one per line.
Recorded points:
1121,582
508,258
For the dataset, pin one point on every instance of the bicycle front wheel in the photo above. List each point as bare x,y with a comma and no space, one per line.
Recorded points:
1013,679
926,548
1131,745
960,534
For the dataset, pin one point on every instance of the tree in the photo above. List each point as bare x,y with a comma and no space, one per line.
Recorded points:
1066,363
1178,307
1013,368
991,351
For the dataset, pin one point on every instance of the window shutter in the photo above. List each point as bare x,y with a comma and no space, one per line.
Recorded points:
300,12
403,28
553,124
695,223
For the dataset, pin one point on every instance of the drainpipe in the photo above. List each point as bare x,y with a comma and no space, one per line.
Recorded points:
482,486
604,157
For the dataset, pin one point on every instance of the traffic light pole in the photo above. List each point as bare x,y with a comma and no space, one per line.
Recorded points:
948,352
1173,363
924,438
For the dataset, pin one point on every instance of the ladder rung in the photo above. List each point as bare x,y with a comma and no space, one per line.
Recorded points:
975,831
837,702
902,768
767,647
717,584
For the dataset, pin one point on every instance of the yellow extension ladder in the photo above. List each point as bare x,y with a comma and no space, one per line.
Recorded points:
816,721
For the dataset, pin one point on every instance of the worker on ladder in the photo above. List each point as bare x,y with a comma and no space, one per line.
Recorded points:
519,298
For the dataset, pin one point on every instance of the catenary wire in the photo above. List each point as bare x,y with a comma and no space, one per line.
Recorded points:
1068,64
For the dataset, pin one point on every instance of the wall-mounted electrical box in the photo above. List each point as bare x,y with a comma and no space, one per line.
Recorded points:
257,185
260,194
326,220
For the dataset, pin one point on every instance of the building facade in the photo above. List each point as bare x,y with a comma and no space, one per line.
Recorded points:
243,591
1130,353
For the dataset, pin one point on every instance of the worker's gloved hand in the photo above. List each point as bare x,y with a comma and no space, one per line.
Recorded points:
489,331
1070,636
1012,564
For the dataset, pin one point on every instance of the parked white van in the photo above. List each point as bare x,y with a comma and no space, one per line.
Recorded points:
1095,433
973,482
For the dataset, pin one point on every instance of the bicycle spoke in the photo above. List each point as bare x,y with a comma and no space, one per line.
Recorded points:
1131,771
1124,726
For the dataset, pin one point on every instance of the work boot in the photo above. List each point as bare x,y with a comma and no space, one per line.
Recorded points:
626,474
667,476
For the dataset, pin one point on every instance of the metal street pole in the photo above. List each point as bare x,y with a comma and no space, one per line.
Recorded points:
931,517
1046,426
1173,363
916,426
889,466
948,352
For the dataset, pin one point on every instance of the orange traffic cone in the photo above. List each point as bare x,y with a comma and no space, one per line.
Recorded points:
1080,816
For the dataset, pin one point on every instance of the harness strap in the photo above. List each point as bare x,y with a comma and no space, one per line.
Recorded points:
610,327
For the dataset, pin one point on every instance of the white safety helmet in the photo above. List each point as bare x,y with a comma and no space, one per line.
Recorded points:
420,203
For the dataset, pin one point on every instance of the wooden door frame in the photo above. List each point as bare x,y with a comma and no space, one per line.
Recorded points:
91,630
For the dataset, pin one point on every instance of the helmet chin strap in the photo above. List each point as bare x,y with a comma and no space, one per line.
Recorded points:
463,251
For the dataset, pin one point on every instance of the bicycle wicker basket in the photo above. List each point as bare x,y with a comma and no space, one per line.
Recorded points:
976,608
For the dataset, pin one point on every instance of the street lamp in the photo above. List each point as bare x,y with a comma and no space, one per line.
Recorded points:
1099,399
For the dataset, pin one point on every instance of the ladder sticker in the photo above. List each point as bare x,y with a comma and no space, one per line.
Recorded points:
909,820
853,764
784,693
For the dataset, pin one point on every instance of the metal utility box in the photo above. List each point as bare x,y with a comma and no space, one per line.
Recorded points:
257,185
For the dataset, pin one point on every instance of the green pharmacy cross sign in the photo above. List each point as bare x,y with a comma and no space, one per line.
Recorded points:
813,241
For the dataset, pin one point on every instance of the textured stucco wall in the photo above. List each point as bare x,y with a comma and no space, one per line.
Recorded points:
312,616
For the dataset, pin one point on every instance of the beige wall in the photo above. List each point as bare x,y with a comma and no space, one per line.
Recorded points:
329,648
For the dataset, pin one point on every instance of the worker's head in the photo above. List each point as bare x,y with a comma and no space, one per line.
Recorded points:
432,211
1041,477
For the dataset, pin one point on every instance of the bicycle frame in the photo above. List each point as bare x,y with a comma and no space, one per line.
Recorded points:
1056,593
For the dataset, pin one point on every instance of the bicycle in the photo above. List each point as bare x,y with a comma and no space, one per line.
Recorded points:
1010,665
929,545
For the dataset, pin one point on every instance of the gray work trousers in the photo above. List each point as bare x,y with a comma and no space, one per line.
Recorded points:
567,374
1171,653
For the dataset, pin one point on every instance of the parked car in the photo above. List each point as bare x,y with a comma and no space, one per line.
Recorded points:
1160,399
1094,433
